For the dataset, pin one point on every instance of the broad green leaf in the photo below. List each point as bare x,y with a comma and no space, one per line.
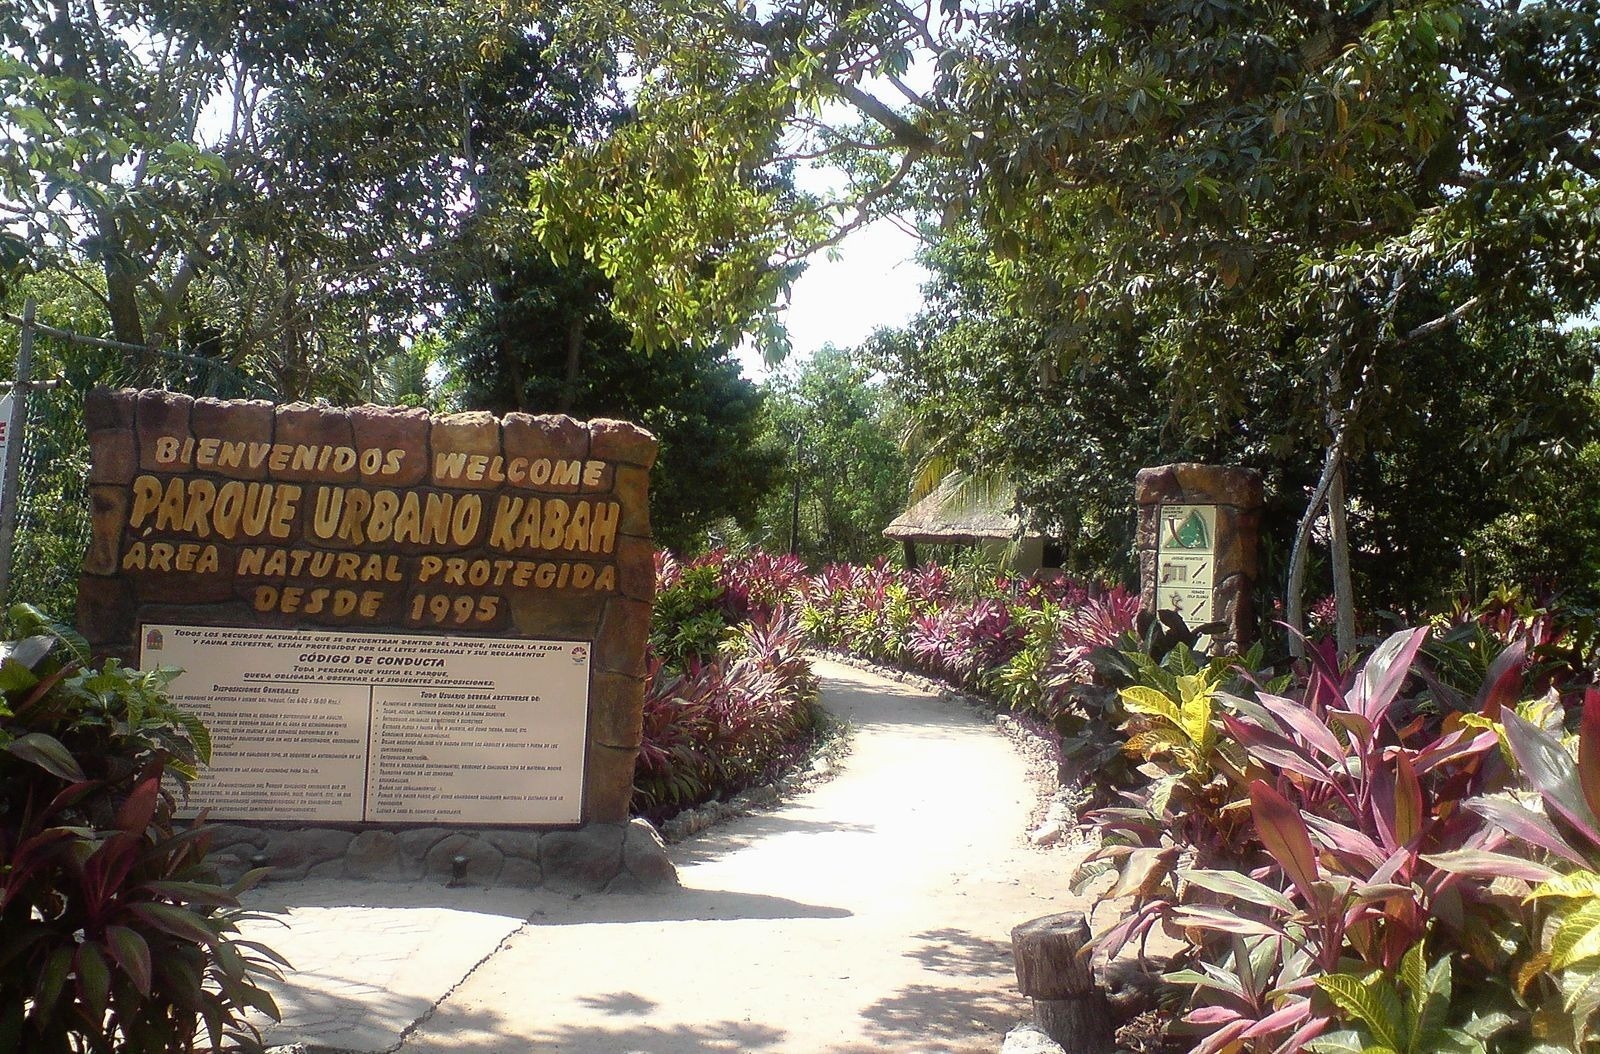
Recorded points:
28,653
169,918
1580,995
1413,977
193,893
1143,871
1580,885
132,953
15,678
48,753
1453,1041
94,979
1487,1025
1235,884
1371,1002
1196,709
1579,936
1143,700
1344,1041
1435,1003
52,979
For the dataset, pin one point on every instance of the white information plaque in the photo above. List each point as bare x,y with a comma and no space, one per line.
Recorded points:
1186,560
405,728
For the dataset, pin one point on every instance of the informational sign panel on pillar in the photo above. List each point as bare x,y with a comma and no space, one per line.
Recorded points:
6,405
1198,529
1187,562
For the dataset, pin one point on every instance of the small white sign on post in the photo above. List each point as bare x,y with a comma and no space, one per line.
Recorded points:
6,405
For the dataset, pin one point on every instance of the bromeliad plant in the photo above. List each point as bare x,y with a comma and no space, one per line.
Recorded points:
113,936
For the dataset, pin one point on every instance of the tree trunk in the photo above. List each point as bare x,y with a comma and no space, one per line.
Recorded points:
569,380
171,304
122,297
1339,557
1294,590
1056,973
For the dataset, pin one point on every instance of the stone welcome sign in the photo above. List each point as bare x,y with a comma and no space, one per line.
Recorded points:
384,616
1199,529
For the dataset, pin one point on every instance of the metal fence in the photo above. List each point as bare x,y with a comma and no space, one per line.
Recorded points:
49,494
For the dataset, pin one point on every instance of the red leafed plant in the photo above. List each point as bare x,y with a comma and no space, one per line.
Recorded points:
1357,847
728,692
113,936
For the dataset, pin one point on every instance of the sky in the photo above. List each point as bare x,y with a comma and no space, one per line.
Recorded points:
873,282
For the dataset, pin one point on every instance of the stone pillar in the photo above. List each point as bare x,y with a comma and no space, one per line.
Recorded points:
1198,541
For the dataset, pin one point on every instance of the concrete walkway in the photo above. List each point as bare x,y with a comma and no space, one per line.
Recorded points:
870,913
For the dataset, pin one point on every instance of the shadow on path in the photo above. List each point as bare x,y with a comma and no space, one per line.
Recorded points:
687,905
747,831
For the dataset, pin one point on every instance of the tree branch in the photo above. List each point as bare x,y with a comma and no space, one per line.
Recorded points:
904,132
1428,329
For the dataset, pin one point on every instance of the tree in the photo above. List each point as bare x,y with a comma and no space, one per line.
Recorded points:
1323,186
844,476
1333,187
256,184
547,343
978,368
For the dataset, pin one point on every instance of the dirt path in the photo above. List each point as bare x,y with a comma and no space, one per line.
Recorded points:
871,913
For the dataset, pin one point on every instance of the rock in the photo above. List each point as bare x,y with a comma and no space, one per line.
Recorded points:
623,442
293,853
644,856
521,873
1028,1039
582,861
1047,833
376,854
417,841
522,845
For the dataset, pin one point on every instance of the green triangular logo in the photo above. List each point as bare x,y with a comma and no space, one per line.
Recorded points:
1192,535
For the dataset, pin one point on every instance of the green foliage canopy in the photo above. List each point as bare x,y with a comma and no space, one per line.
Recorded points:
845,477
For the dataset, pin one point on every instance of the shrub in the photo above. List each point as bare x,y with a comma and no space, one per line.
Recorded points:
722,725
113,935
728,692
1309,841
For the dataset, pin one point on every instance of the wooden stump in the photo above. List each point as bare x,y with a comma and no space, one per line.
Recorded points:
1056,973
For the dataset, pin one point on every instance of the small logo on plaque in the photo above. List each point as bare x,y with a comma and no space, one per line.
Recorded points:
153,640
1193,534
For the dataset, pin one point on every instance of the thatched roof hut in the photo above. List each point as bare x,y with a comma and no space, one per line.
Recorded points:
955,515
